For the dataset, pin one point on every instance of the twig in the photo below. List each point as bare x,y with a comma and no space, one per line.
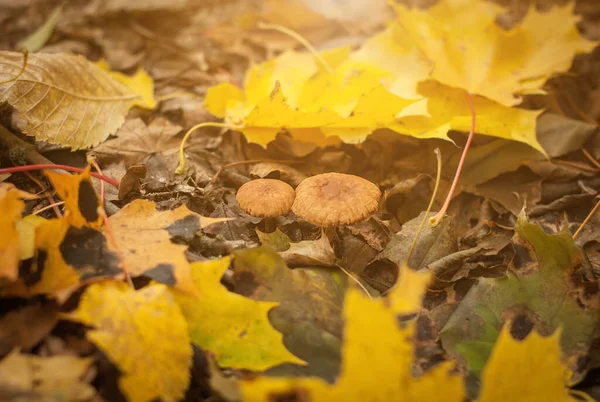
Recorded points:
438,217
586,220
41,166
9,141
47,207
591,157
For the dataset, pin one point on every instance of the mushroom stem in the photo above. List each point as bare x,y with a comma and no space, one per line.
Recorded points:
270,224
438,217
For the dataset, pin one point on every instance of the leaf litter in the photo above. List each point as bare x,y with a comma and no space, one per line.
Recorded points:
160,287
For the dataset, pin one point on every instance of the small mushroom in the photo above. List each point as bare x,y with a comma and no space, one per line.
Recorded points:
266,198
333,199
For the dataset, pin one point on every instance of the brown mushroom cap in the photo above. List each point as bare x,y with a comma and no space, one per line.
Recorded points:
333,199
265,198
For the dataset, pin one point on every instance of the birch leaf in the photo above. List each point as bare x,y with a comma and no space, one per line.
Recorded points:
67,99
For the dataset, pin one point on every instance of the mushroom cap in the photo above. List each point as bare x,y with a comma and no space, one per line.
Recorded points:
265,198
333,199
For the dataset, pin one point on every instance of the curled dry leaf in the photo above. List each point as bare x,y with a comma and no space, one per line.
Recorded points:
67,99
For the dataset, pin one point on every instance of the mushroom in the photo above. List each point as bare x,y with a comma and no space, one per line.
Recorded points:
266,198
333,199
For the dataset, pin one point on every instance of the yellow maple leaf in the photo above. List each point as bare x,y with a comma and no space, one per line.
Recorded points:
81,200
373,339
528,370
144,333
11,205
29,377
348,103
470,51
234,328
67,99
448,110
140,230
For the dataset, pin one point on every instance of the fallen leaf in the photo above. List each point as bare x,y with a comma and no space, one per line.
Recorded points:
135,141
528,369
26,228
140,230
128,325
38,39
470,51
234,328
11,205
310,253
543,289
26,327
81,201
66,99
56,377
388,357
309,313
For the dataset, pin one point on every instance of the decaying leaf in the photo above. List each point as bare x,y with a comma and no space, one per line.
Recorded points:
309,313
232,327
67,99
29,377
388,358
143,333
544,289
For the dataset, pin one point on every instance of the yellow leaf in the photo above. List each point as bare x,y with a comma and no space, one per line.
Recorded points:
12,206
143,333
26,228
56,274
372,339
232,327
81,201
222,96
143,236
470,51
56,377
528,370
140,83
448,110
67,99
